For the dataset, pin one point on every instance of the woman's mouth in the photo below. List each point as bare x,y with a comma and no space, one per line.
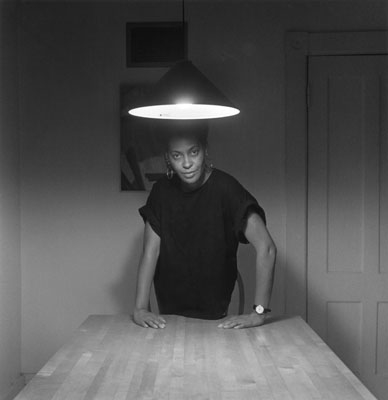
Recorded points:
189,174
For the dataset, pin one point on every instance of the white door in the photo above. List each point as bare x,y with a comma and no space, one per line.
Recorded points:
347,262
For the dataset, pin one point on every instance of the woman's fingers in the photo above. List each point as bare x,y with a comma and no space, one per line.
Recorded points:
156,322
147,319
236,322
152,324
230,323
243,321
161,322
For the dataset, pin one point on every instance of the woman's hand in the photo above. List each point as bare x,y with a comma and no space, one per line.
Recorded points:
243,321
147,319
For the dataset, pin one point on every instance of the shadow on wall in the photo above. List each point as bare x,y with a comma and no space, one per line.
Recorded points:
124,289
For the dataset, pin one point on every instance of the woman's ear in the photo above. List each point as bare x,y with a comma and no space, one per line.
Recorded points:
166,159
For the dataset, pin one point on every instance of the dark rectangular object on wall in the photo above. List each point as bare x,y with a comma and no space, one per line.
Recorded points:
155,44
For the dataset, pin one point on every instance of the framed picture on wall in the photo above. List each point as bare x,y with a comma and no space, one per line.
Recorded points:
141,152
155,44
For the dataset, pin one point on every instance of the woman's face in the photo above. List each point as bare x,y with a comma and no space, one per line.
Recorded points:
187,159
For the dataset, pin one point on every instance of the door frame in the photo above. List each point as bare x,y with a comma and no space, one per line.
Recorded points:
299,46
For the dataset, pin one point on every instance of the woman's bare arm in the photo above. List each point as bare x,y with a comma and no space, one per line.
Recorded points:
142,315
258,235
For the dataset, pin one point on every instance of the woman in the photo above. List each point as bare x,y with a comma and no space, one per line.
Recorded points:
195,218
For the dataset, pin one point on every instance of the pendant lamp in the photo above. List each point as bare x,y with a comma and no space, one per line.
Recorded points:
185,93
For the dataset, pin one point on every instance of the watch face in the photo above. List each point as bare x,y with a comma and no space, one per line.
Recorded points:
260,309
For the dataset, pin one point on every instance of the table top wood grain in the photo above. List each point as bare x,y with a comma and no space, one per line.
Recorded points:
109,357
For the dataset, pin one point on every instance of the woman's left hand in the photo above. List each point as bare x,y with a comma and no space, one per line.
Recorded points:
243,321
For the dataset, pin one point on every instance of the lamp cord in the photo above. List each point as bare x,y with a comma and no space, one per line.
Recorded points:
183,14
183,28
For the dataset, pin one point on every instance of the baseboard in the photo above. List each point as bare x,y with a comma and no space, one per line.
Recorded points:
17,386
27,377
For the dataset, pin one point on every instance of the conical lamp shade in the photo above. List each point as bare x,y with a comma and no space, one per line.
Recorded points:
185,93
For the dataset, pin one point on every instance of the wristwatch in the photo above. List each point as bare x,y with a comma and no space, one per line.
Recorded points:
259,309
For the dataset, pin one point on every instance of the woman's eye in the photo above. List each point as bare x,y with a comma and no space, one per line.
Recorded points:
194,152
175,156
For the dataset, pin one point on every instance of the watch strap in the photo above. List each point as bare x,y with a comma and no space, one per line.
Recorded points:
265,310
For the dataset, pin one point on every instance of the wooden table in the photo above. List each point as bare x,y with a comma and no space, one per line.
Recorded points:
111,358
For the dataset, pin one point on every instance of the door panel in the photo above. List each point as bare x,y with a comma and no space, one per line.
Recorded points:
343,185
347,212
382,339
344,331
383,264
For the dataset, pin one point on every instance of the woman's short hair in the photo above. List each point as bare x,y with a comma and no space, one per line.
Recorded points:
177,128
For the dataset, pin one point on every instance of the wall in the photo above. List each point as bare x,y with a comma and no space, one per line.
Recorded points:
10,288
81,237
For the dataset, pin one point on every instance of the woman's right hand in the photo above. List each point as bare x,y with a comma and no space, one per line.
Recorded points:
148,319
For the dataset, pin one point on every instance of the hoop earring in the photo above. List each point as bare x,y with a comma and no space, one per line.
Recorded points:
208,162
169,172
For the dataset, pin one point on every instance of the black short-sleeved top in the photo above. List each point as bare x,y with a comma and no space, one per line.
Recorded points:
200,232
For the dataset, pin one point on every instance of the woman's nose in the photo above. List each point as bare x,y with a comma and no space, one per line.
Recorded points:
187,163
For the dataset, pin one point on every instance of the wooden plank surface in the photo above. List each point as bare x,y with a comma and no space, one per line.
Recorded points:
112,358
